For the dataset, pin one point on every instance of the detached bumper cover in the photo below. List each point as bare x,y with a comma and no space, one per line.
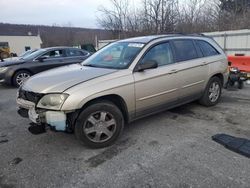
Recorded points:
239,145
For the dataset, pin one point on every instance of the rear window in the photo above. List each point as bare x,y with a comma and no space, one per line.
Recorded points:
207,49
184,50
75,52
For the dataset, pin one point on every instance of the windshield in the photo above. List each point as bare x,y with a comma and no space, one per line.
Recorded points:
26,53
34,54
117,55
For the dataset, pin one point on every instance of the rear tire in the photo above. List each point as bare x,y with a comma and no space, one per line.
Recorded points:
19,77
212,93
99,125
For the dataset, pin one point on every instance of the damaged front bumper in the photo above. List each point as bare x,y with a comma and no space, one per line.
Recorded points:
55,119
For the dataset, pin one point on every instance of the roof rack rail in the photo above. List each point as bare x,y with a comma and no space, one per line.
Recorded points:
197,34
185,34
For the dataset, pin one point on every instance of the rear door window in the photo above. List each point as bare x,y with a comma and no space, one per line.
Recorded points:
184,50
206,48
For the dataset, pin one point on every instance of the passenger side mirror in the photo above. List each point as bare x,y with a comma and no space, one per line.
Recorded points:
151,64
41,59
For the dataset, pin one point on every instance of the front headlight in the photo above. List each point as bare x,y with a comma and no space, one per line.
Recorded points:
52,101
2,69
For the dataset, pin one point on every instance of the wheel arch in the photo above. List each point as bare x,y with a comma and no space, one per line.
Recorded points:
114,98
22,69
220,76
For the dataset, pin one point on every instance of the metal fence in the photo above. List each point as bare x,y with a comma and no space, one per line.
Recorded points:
233,42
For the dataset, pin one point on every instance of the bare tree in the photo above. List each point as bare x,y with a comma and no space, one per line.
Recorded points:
164,16
159,16
234,14
115,19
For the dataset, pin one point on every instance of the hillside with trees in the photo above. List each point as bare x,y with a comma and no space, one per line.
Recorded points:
57,35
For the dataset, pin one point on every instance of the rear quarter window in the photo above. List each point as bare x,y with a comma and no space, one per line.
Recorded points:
206,48
184,50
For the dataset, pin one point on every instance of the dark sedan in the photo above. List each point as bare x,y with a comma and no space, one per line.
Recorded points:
16,72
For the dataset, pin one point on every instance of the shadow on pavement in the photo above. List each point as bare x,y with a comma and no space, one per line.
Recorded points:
3,86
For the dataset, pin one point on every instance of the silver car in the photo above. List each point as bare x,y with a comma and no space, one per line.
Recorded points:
124,81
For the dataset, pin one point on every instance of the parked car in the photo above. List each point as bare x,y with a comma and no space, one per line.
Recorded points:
16,72
122,82
23,55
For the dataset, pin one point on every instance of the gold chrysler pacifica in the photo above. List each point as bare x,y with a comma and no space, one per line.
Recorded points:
122,82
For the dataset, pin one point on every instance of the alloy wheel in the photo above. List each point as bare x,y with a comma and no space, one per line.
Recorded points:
100,126
20,79
214,92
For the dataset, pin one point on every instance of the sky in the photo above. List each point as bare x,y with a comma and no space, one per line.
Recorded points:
79,13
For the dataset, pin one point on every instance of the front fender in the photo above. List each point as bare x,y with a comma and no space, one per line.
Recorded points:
81,96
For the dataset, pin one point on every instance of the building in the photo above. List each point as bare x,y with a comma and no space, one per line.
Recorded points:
20,41
101,43
235,42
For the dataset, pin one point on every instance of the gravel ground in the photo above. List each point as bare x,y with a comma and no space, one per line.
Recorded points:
170,149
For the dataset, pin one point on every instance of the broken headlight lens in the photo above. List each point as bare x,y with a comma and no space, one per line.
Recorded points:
52,101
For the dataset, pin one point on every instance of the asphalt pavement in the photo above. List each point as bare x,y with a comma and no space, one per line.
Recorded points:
171,149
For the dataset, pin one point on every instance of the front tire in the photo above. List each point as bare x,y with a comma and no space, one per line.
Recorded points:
20,77
212,92
99,125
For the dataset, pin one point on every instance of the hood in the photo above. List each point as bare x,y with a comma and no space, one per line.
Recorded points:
11,62
60,79
11,59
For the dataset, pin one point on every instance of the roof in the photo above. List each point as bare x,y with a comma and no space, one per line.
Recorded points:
60,47
147,39
144,39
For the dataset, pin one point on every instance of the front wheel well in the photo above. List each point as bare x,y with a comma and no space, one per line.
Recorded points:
116,99
220,76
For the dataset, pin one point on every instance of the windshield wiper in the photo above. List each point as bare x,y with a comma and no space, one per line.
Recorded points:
103,67
90,65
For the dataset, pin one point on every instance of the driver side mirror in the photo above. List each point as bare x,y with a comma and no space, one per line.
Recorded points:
41,59
151,64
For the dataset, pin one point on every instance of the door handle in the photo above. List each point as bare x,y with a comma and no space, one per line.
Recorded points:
173,71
